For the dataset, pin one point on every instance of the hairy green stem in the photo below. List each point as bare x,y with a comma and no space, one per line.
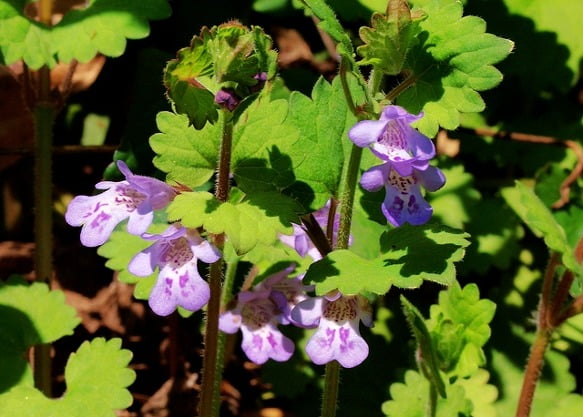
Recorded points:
331,384
431,410
347,197
212,367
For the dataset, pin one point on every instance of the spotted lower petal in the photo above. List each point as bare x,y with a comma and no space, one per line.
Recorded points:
182,287
265,343
406,207
337,342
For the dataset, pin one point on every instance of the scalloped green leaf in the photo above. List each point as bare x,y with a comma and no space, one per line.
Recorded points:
480,393
451,64
103,27
406,248
187,155
318,155
97,377
410,399
22,38
459,325
37,315
403,262
88,381
540,220
257,219
260,161
388,40
349,273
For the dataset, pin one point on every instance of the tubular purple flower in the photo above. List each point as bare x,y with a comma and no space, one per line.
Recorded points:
176,252
338,336
392,139
257,316
403,200
285,292
135,198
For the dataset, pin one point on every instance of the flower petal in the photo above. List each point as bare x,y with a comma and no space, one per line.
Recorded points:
308,312
182,286
432,178
394,112
406,207
266,342
144,263
206,252
138,223
230,321
337,342
375,178
366,132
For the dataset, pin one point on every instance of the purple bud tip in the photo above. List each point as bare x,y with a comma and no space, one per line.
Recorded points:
227,98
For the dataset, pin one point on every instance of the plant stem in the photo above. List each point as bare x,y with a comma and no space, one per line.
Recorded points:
43,219
431,409
545,327
347,197
532,373
212,367
331,384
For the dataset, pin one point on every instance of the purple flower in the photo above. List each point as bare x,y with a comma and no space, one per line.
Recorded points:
135,198
337,337
392,139
403,200
285,292
227,98
257,316
176,252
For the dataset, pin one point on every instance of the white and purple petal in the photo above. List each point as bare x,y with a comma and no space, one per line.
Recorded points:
367,132
180,286
266,342
337,341
375,178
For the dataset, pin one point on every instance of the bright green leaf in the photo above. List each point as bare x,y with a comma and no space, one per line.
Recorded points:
451,64
97,378
318,153
460,327
33,314
255,220
104,27
480,393
189,156
410,399
260,161
349,273
388,41
541,221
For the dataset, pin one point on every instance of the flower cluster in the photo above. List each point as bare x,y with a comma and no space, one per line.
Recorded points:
258,312
283,300
175,252
405,154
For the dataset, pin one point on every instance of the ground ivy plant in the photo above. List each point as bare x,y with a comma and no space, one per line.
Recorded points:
323,201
